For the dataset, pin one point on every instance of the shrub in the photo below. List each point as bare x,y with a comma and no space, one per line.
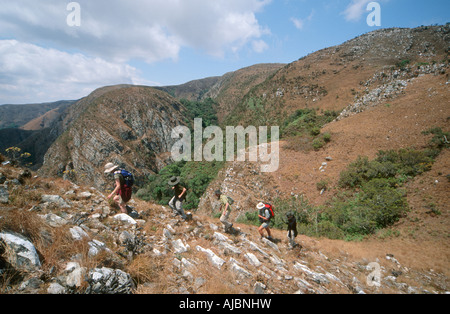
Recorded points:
318,143
328,229
402,64
322,184
377,200
16,155
406,161
440,139
315,131
326,137
386,202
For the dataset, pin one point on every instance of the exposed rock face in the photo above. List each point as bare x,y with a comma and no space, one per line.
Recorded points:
129,126
20,252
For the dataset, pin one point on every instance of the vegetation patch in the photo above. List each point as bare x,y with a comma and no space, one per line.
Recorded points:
195,176
302,130
371,196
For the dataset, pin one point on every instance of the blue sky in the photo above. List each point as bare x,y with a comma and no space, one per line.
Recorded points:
169,42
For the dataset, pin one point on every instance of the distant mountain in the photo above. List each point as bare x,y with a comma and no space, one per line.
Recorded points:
17,116
29,127
227,90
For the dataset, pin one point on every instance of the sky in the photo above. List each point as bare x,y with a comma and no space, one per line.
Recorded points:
63,50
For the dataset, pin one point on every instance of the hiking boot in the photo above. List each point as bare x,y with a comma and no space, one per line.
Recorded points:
134,214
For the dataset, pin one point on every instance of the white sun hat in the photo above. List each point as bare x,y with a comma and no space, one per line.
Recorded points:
110,167
260,205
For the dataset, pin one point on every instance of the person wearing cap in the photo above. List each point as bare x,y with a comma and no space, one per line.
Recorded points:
264,218
224,218
121,191
176,203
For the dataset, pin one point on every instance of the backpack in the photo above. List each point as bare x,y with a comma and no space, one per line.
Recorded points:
128,177
270,208
230,200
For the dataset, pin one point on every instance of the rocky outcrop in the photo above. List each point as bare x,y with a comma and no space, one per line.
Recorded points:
19,252
393,82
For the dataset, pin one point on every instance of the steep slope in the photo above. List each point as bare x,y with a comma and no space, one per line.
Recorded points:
331,78
233,86
128,125
390,106
75,242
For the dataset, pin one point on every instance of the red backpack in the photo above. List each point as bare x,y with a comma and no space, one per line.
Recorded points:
270,208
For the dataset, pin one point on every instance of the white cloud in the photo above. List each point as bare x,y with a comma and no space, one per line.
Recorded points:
300,23
259,46
45,59
29,73
151,30
355,10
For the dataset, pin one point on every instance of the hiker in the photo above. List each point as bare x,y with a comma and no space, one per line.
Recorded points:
265,214
176,203
225,202
292,229
123,189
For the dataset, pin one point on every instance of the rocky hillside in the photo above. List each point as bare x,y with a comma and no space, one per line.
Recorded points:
374,65
127,125
386,104
57,237
388,95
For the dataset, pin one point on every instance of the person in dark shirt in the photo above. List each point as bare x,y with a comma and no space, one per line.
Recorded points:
176,203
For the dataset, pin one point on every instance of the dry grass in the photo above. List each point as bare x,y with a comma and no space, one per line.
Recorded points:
24,222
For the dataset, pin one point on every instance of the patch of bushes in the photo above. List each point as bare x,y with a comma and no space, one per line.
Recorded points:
303,129
387,164
195,176
372,197
206,110
377,205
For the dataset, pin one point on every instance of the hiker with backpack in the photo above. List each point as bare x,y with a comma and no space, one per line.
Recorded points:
265,215
123,186
176,203
225,202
